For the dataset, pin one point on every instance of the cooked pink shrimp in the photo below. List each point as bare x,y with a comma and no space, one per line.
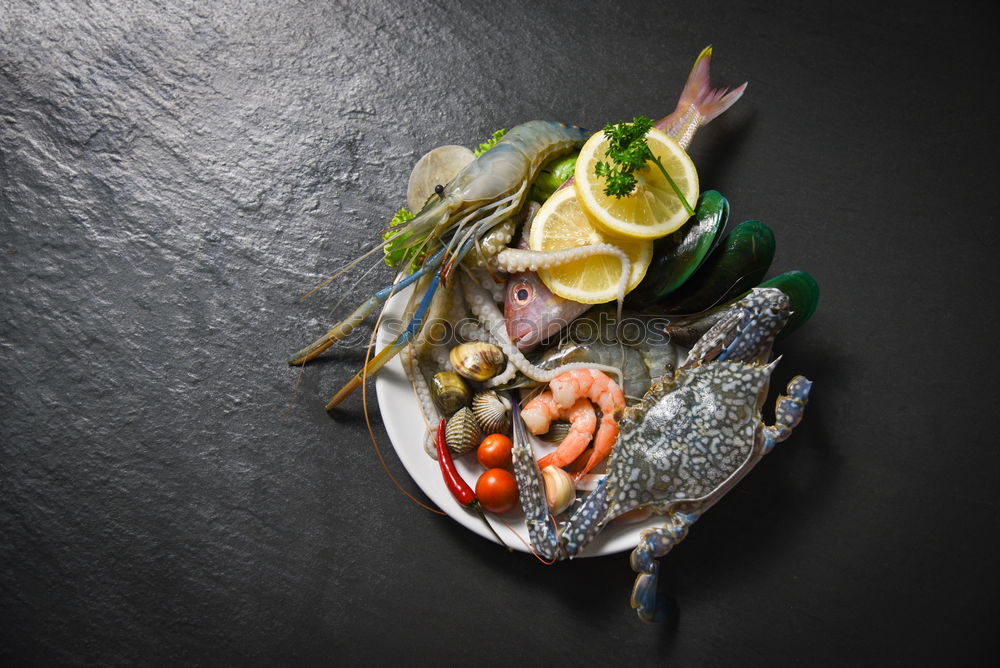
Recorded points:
538,415
582,420
596,386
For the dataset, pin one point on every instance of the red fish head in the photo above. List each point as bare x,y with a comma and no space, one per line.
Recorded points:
533,313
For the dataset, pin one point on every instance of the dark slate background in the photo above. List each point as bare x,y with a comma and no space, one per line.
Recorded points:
174,176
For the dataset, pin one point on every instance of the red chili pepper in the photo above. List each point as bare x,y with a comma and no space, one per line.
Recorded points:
456,485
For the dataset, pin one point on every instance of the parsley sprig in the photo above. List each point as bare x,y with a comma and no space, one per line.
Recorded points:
628,152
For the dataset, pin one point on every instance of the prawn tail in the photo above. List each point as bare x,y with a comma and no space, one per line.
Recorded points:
699,103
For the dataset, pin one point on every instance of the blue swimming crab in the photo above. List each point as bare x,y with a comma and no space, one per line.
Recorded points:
694,435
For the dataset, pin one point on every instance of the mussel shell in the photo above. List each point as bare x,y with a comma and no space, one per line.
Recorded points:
678,256
462,432
803,297
492,411
737,265
450,391
477,360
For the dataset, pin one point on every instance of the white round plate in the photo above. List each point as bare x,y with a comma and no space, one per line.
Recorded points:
406,427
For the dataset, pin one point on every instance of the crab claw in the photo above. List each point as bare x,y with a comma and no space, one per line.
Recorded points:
531,491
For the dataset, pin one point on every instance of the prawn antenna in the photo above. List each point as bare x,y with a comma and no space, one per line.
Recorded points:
351,265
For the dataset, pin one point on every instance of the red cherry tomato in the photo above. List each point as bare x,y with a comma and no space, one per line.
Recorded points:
496,490
494,452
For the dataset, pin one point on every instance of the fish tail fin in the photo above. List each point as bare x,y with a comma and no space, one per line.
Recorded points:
698,91
699,96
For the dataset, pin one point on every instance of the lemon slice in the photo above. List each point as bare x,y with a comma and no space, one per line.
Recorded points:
561,223
653,209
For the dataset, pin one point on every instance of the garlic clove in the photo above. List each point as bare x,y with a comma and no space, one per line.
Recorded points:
559,490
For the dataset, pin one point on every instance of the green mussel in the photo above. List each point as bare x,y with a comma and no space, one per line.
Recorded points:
678,256
737,265
803,297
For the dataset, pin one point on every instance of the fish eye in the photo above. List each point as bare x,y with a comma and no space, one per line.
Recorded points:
522,293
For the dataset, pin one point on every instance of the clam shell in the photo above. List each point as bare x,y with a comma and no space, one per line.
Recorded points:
450,391
492,411
439,165
477,360
558,430
462,432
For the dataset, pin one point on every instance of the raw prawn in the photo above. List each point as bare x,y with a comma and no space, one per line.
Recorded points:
480,199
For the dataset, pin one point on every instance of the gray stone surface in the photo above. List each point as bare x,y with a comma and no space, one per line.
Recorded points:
173,177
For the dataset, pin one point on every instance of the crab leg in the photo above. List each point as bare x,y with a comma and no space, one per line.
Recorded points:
541,526
653,544
656,542
738,334
788,412
587,521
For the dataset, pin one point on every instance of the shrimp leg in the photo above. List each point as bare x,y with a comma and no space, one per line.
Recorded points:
348,324
390,350
412,329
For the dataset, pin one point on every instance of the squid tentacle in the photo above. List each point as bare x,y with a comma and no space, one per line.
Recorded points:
505,376
514,260
493,242
486,310
429,409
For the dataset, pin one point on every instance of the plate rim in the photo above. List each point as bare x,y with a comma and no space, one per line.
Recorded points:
392,386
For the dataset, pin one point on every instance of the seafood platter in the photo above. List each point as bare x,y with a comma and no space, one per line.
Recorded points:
575,352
